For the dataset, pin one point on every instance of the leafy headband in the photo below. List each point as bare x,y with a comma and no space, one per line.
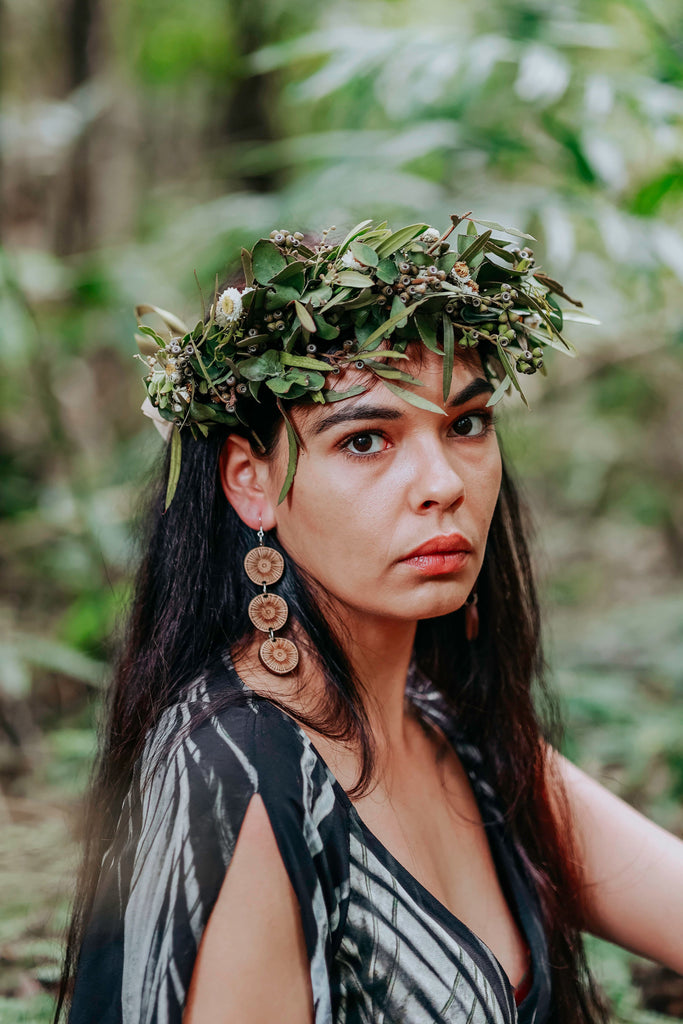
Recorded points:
307,311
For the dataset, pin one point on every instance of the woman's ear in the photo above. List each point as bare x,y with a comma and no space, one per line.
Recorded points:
242,477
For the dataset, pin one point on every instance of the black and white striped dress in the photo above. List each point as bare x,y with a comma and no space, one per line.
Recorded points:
381,948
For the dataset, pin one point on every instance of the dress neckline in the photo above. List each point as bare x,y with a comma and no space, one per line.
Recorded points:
508,880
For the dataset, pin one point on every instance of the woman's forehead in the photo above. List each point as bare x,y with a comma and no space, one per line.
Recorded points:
468,380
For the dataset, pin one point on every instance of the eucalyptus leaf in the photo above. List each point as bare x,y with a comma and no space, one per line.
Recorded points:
499,227
305,318
260,367
174,467
292,459
279,385
174,323
247,268
279,295
146,346
510,370
476,246
326,331
364,253
413,399
351,235
305,362
397,239
448,355
336,396
427,331
389,324
354,279
387,271
504,386
319,296
267,261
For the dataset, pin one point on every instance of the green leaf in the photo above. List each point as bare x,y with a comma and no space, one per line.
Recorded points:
476,246
427,331
328,332
293,456
267,261
448,355
471,229
293,275
279,385
398,309
173,323
279,295
335,396
247,268
354,279
499,227
398,239
352,234
504,386
389,324
174,467
387,271
364,254
447,261
391,372
305,362
413,399
260,367
145,346
305,318
339,297
319,296
510,371
207,412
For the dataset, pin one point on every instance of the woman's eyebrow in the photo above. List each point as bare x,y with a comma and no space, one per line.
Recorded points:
476,387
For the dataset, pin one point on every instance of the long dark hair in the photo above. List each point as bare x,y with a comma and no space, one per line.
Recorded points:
189,605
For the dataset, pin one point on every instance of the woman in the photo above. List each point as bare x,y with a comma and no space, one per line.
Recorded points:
364,817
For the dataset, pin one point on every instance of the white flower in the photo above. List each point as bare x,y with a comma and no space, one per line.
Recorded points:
430,235
228,307
350,261
163,426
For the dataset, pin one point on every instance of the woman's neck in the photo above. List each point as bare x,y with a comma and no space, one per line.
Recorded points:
380,654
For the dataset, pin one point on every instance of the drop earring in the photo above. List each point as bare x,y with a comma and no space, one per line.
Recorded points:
268,612
472,616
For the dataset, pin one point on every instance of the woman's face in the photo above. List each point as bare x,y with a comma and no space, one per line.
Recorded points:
380,478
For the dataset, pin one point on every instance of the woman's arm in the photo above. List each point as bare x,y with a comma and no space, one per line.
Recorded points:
633,871
252,964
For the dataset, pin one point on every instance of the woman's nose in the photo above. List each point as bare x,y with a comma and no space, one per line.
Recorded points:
436,479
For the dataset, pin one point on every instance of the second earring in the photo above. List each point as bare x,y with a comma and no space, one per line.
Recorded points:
268,612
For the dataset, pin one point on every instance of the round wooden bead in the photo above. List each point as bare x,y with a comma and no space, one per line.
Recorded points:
264,565
279,655
268,611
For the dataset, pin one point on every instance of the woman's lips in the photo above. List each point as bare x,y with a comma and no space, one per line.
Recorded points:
438,562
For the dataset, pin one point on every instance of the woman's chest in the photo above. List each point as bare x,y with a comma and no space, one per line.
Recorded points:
431,825
422,820
403,957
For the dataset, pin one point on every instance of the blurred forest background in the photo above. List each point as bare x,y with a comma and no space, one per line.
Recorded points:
143,140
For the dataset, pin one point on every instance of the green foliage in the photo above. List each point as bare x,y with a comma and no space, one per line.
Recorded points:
209,124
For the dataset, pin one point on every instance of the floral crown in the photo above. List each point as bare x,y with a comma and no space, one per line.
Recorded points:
309,310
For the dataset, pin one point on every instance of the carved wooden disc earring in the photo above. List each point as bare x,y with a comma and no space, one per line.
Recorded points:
269,612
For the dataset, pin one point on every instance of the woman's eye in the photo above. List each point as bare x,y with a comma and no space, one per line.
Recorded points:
473,424
364,444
